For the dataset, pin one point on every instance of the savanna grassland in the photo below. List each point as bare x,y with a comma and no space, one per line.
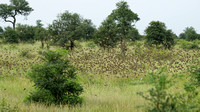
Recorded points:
110,80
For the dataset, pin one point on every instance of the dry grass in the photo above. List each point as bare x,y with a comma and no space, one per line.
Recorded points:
109,79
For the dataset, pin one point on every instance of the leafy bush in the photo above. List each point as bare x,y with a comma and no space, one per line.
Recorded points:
57,78
26,33
160,99
189,45
91,45
11,36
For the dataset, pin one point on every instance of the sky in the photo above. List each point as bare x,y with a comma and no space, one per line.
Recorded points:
176,14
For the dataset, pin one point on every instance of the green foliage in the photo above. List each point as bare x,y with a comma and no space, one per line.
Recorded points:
157,34
125,20
189,44
70,27
160,99
10,35
189,34
5,107
1,32
56,77
26,33
91,44
133,35
106,35
16,7
41,33
87,29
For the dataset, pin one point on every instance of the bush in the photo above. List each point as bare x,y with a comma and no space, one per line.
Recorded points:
160,100
11,36
189,45
26,33
91,44
57,78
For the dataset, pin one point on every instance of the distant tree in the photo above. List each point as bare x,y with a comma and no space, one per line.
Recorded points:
16,7
125,19
10,35
1,32
88,29
67,28
1,29
189,34
26,33
106,35
41,33
157,34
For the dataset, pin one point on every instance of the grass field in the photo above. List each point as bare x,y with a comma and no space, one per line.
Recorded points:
110,80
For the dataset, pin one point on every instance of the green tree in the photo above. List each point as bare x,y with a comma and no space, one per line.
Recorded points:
41,33
189,34
16,7
157,34
55,80
125,19
1,32
88,29
67,28
133,34
26,32
106,35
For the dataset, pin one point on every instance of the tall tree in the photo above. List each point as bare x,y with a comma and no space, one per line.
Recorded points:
16,7
125,19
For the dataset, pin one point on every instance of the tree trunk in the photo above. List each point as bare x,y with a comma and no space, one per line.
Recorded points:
71,44
123,46
42,44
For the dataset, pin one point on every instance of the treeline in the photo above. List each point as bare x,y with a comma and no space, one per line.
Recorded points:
117,28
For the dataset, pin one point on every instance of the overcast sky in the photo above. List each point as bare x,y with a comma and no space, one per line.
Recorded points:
176,14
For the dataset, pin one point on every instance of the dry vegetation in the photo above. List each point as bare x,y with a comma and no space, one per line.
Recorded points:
109,79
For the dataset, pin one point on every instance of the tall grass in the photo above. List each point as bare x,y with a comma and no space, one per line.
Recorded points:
110,81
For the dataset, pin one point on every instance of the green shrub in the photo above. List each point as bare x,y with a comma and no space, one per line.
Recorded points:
58,78
189,44
11,36
160,100
26,33
41,96
91,45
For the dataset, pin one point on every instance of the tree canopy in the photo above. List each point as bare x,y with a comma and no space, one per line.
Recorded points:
157,34
125,19
16,7
189,34
70,27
